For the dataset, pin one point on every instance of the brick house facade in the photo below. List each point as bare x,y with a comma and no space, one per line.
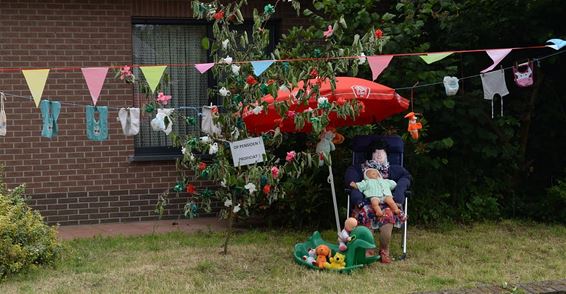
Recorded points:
70,179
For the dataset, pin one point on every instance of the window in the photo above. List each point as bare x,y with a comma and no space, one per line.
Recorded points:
174,43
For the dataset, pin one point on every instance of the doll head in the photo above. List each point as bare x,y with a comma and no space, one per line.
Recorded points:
350,224
372,173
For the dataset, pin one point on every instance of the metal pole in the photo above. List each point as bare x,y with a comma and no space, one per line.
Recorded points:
331,182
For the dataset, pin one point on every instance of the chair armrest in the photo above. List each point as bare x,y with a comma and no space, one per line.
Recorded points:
408,193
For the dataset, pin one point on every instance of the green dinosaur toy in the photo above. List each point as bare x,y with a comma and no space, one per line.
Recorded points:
356,254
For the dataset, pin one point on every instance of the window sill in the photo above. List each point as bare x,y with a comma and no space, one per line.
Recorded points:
155,157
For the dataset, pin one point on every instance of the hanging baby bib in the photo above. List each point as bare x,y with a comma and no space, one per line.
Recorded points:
130,121
3,123
163,121
97,130
523,74
49,113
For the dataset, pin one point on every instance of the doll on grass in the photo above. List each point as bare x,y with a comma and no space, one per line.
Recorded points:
378,190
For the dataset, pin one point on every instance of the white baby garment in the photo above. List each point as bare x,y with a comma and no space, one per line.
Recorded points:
3,123
207,125
130,120
451,85
159,123
494,83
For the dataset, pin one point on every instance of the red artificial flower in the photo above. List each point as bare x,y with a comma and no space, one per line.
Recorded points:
291,114
314,73
191,189
378,33
267,189
251,80
219,15
341,101
202,166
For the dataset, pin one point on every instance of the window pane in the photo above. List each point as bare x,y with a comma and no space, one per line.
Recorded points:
172,45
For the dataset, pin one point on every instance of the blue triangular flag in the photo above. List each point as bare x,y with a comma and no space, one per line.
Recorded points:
557,43
261,66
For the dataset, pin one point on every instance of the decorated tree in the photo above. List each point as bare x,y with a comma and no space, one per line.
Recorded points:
244,74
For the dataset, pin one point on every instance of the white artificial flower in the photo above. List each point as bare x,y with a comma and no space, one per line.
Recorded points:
257,110
284,88
224,92
322,101
235,70
227,60
228,202
251,187
341,52
225,44
205,139
235,134
213,148
362,59
223,183
237,208
183,150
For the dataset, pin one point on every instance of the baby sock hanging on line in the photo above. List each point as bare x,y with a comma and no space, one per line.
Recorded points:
494,83
130,121
50,111
3,123
97,130
451,85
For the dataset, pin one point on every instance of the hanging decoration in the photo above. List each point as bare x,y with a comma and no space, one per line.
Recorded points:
431,58
50,111
378,64
204,67
94,77
494,83
414,126
153,75
523,74
261,66
451,85
129,120
557,44
97,130
36,79
496,55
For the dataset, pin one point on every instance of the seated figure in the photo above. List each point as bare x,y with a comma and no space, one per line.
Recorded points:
361,207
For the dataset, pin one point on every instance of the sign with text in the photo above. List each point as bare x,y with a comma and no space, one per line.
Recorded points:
248,151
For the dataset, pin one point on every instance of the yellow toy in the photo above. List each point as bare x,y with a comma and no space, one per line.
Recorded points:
337,262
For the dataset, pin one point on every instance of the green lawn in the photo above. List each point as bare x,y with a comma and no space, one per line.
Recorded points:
261,262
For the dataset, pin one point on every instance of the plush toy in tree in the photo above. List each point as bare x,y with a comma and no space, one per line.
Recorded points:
325,145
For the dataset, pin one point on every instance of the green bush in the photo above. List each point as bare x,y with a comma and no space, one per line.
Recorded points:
25,240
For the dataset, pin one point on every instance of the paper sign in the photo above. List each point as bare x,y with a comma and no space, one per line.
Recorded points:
248,151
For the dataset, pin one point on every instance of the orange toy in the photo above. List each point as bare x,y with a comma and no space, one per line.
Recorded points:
322,254
414,126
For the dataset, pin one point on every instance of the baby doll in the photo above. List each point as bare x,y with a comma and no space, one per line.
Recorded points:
344,235
378,190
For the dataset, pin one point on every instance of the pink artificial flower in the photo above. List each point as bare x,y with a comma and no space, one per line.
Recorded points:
163,99
328,33
290,155
125,72
290,114
275,171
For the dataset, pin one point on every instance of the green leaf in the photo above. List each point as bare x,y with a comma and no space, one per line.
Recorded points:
205,43
449,103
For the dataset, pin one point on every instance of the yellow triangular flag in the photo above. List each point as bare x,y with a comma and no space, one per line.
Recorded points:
36,82
434,57
153,75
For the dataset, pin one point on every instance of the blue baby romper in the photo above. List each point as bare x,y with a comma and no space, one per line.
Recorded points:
49,113
97,130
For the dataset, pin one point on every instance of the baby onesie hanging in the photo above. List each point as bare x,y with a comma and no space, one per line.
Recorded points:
523,74
451,85
130,121
207,124
97,130
49,113
3,123
163,121
494,83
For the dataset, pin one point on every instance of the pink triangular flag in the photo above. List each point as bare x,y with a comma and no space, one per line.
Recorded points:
378,64
496,55
94,77
204,67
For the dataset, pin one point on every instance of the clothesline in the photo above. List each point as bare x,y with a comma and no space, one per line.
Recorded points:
395,88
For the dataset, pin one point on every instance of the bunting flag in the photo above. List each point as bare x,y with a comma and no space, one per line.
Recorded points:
203,67
378,64
430,58
94,77
496,55
261,66
557,44
153,75
35,79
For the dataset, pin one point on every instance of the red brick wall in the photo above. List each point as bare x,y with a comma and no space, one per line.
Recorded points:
70,179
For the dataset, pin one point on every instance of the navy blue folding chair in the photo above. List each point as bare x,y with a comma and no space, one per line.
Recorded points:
360,153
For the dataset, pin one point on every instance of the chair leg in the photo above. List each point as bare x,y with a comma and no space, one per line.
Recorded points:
404,255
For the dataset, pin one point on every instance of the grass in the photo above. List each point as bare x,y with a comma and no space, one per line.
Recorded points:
261,262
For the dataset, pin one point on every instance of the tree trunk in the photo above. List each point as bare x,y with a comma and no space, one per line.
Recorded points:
229,231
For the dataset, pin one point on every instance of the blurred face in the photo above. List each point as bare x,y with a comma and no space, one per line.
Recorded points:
379,156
